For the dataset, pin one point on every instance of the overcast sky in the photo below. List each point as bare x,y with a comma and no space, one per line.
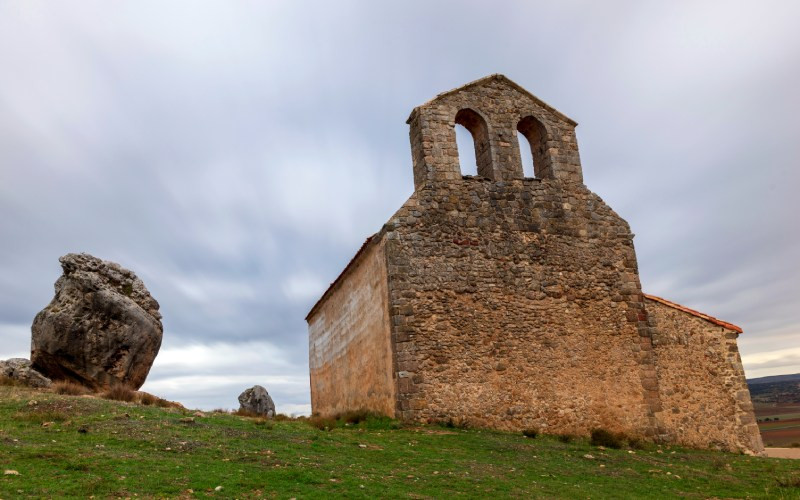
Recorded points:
236,154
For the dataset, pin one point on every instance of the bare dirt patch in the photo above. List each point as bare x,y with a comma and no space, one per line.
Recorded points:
783,453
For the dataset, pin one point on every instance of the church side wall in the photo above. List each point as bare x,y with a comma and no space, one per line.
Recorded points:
702,384
514,306
350,355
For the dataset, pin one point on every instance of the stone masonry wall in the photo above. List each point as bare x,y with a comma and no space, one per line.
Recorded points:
511,308
501,105
514,302
349,351
702,383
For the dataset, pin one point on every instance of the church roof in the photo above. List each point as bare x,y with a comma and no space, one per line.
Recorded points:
685,309
335,282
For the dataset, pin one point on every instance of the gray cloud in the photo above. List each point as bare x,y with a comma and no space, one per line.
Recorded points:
235,155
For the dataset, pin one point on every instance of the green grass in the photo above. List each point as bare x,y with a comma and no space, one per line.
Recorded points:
115,449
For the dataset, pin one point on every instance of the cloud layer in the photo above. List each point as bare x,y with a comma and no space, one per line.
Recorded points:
236,154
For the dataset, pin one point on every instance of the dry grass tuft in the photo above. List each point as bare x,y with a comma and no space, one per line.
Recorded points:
163,403
455,423
120,392
42,415
245,413
355,417
616,440
530,433
322,423
69,388
147,399
9,382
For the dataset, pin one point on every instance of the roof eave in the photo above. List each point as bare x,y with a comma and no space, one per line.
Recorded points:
685,309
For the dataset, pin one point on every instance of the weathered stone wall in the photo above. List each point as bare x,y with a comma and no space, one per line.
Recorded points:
511,308
515,302
701,382
349,351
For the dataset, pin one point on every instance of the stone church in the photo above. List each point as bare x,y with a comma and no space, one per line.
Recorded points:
514,302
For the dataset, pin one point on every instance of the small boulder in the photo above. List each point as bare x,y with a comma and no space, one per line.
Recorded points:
101,329
20,369
256,400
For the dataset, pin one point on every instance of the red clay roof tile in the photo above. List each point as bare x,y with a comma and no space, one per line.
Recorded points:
685,309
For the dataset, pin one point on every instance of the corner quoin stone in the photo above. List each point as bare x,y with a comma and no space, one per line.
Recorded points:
510,302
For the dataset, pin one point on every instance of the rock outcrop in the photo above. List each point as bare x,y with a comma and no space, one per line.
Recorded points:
20,369
257,400
102,328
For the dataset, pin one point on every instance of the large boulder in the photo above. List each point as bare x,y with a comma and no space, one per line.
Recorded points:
256,400
101,329
20,369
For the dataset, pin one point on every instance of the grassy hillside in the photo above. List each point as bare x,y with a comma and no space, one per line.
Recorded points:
54,445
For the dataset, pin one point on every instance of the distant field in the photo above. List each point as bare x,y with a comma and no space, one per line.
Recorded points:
776,409
783,432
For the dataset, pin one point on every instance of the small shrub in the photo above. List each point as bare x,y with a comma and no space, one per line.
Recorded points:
566,438
794,445
602,437
530,433
70,388
220,410
282,417
120,392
